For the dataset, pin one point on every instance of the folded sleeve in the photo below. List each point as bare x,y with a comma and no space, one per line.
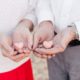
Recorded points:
43,11
32,17
77,24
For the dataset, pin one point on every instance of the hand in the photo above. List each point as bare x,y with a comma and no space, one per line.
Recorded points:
8,50
60,43
22,37
44,32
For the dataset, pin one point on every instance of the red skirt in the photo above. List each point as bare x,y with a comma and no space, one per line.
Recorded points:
24,72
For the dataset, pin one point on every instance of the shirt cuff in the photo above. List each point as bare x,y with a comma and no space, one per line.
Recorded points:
77,23
32,18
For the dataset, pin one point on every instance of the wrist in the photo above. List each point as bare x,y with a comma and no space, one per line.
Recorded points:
26,23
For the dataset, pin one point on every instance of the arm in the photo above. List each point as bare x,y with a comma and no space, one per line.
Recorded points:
45,19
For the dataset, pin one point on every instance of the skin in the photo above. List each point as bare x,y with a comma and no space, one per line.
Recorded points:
29,42
21,35
60,43
44,32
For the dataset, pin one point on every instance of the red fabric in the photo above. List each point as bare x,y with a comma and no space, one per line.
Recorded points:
24,72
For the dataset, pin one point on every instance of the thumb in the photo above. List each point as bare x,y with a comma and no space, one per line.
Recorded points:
18,45
30,41
18,41
17,37
35,42
6,43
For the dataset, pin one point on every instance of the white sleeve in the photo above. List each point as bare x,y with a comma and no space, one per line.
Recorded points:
77,23
43,11
32,17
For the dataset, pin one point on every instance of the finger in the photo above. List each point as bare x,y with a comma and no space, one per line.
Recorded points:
44,56
37,54
18,45
40,45
44,51
40,55
13,53
18,40
17,37
6,53
27,51
53,50
30,41
49,56
20,51
53,55
27,55
6,44
7,47
36,42
18,57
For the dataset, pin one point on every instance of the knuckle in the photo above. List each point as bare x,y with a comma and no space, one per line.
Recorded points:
61,48
36,35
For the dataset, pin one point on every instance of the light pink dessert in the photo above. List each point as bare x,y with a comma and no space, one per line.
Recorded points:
47,44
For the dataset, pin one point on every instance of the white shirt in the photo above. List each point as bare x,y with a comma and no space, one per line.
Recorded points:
11,12
66,12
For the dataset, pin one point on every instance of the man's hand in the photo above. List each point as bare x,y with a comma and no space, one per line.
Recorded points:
44,32
60,43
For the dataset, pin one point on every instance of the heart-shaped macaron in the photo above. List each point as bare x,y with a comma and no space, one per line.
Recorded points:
47,44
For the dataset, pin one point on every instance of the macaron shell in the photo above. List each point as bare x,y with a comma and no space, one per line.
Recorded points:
47,44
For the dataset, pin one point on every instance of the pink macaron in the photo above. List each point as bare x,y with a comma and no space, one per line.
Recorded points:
47,44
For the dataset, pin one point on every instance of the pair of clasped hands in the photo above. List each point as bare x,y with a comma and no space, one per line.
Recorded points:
41,40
